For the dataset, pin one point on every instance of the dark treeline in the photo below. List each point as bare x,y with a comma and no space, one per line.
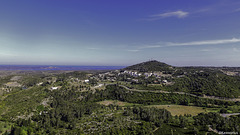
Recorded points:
215,121
210,83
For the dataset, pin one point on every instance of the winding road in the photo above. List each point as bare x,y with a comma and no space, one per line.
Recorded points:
183,93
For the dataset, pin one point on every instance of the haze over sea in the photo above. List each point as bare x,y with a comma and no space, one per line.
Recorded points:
50,67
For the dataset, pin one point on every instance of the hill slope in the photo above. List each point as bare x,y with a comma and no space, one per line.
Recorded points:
150,66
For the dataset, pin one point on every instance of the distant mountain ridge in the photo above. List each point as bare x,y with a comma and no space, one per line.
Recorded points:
152,65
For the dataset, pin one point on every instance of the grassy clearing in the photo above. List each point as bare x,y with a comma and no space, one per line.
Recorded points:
180,109
13,84
116,102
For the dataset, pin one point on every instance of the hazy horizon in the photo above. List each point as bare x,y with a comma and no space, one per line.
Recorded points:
49,65
120,33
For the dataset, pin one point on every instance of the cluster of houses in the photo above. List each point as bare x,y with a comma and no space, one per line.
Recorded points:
113,76
117,75
132,73
146,74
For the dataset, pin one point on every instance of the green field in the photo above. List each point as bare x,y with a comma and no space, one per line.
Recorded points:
181,109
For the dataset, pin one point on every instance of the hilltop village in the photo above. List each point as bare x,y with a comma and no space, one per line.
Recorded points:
135,77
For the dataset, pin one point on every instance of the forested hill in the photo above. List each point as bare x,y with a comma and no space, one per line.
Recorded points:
150,66
210,81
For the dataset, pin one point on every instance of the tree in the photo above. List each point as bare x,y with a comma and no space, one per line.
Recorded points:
223,110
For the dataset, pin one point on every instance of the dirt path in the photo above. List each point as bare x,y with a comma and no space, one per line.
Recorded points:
229,114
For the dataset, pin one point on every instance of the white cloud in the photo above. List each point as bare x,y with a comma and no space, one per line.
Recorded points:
207,42
196,43
178,14
133,50
93,48
237,10
205,50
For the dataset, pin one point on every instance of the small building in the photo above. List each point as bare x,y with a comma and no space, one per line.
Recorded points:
54,88
39,84
165,81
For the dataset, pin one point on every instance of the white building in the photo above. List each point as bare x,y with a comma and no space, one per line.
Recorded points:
54,88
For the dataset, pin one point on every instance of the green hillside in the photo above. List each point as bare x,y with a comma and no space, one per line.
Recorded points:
150,66
210,81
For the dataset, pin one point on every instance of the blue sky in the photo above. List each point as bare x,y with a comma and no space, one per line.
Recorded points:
120,32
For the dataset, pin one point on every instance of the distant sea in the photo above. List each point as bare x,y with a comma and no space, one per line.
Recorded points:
46,67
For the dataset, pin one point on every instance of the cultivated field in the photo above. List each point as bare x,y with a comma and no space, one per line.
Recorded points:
180,109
